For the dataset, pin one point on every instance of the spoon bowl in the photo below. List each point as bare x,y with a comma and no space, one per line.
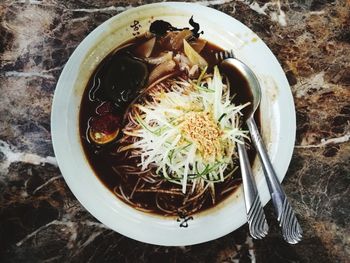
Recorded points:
250,78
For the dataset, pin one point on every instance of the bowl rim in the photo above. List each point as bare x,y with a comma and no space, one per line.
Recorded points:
132,221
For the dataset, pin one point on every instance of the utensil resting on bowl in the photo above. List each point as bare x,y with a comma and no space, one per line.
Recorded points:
291,229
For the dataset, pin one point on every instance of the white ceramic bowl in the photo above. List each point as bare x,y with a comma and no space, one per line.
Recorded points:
277,108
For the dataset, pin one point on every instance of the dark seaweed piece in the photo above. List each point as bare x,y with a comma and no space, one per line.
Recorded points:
122,78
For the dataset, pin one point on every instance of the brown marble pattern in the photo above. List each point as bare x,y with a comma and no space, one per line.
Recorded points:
41,221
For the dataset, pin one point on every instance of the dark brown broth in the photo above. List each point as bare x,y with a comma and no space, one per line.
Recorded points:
102,161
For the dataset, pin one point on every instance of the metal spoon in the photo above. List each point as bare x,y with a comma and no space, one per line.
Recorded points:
291,229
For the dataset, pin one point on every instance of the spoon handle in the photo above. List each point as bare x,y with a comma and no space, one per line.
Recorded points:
258,227
291,229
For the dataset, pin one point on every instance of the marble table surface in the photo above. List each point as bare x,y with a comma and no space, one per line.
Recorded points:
41,220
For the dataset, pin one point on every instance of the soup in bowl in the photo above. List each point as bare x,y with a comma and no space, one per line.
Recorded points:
145,122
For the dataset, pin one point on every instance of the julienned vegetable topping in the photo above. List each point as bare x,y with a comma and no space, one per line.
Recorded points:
188,129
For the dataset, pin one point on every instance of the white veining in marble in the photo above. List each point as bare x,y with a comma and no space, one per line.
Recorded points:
104,9
318,13
324,142
40,20
67,225
27,75
315,82
34,2
12,156
54,222
251,251
47,183
123,8
277,15
214,2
